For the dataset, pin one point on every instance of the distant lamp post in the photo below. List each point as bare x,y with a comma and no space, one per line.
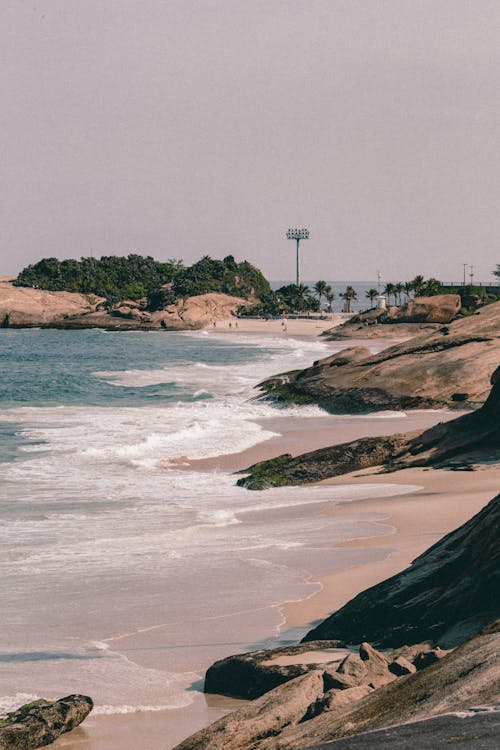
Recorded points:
297,235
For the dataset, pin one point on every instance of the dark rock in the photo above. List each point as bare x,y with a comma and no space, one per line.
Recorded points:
401,666
252,674
41,722
445,595
426,658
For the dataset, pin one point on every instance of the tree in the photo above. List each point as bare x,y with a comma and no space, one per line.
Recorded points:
408,287
348,296
297,298
399,287
329,296
432,286
371,294
320,289
390,290
418,285
497,271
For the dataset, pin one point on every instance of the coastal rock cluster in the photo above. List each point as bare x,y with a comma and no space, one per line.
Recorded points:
41,722
25,307
445,596
417,315
323,705
457,444
449,367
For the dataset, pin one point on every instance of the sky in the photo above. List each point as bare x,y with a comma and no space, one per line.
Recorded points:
179,128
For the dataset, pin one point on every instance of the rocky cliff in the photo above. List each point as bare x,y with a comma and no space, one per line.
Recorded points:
449,367
461,443
445,595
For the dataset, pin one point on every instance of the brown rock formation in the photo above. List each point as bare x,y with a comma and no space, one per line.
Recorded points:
306,711
252,674
448,367
23,307
41,722
461,443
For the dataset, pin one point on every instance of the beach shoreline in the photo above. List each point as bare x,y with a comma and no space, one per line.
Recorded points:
409,523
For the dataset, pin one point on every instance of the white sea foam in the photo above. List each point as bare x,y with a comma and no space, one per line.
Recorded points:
99,538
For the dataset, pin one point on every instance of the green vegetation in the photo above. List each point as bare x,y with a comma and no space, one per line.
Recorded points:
227,276
135,276
111,276
266,474
288,299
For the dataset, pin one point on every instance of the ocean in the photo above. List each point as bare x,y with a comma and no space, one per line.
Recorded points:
124,573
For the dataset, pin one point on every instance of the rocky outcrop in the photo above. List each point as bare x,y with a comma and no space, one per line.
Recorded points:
416,316
24,307
449,367
41,722
265,717
445,595
305,711
252,674
458,444
441,308
192,313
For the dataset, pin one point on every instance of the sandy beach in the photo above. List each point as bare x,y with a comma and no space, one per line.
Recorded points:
410,523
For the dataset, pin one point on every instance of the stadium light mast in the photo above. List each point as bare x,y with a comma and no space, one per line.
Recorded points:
297,235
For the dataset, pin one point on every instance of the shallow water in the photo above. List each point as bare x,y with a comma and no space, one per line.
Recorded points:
123,577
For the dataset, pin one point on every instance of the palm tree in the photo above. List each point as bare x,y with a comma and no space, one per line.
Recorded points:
399,290
418,285
320,289
371,294
329,296
433,286
408,287
389,290
349,295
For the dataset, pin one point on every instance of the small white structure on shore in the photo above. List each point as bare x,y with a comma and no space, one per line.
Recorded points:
381,302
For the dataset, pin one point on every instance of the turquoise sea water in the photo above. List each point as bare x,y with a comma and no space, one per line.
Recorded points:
123,572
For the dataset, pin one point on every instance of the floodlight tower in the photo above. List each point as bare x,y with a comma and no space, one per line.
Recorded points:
297,235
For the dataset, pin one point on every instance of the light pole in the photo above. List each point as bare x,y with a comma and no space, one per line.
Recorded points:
297,235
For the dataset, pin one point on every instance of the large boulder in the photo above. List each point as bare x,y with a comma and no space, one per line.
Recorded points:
445,595
252,674
41,722
24,307
441,308
449,367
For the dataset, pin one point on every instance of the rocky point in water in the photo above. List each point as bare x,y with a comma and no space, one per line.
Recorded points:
41,722
449,367
461,443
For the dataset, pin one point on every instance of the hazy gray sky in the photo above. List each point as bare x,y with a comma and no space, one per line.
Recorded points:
178,128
